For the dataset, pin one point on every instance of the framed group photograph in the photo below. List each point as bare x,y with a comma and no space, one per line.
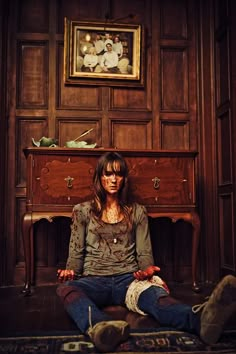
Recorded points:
102,53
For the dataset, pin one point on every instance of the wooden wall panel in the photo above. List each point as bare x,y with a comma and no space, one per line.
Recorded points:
171,247
222,67
224,150
133,10
75,97
32,78
221,9
81,10
174,19
130,99
70,129
26,129
174,135
130,135
174,86
178,80
34,16
225,139
4,183
227,242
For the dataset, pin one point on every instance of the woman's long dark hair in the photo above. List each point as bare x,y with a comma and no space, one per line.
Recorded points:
111,159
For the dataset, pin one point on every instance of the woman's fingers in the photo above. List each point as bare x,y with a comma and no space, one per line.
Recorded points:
65,274
140,275
152,270
147,273
71,275
156,268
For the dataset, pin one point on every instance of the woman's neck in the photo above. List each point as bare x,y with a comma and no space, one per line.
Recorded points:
112,201
112,212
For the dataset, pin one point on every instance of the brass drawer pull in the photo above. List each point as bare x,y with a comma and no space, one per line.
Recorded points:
69,181
156,182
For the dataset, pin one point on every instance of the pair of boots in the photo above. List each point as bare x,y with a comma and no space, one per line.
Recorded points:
216,311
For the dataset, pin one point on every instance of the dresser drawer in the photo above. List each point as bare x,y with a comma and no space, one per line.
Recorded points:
62,180
162,180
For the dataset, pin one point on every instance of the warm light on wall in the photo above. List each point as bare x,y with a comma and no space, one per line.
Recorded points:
87,37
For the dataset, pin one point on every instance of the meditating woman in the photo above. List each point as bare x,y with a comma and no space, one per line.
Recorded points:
110,262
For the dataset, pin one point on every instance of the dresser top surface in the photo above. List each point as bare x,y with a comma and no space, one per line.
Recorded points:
99,151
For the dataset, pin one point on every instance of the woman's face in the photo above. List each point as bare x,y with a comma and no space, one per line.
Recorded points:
111,179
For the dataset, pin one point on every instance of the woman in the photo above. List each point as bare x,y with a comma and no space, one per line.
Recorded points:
90,60
118,46
111,263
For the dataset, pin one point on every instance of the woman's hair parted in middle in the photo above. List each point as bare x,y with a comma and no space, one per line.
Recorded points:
117,164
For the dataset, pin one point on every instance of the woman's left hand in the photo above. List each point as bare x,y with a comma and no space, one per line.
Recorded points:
65,274
147,273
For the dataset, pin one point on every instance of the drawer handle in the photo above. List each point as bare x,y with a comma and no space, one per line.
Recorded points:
156,182
69,181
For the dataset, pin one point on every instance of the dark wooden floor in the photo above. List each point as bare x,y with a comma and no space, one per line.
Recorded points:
43,311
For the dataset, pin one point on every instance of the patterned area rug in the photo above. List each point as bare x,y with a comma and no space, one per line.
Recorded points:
153,342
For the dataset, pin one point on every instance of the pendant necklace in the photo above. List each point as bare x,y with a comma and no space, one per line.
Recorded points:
112,216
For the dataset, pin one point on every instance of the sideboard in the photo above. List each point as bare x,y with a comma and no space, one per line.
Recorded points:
59,178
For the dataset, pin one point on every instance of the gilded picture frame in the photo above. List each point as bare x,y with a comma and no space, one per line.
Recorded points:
103,54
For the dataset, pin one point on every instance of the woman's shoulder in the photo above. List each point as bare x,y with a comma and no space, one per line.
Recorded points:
83,208
138,209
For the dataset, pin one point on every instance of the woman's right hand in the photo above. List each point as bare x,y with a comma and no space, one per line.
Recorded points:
65,274
146,274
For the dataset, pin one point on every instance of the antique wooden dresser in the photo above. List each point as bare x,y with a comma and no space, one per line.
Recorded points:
59,178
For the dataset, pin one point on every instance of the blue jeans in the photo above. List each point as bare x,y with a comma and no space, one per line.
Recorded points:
85,298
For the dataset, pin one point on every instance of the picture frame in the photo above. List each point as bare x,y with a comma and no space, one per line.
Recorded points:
103,54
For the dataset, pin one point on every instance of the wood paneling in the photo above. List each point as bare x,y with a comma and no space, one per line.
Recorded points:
32,78
81,10
70,129
222,68
224,150
174,84
178,79
173,26
134,10
75,97
225,130
174,135
130,135
227,242
4,11
33,16
26,128
130,99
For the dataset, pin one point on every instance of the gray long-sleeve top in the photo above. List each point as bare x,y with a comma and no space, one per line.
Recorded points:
99,248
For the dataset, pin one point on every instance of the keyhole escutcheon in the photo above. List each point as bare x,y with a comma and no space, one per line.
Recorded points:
156,182
69,181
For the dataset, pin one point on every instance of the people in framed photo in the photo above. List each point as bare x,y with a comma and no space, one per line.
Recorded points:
98,51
